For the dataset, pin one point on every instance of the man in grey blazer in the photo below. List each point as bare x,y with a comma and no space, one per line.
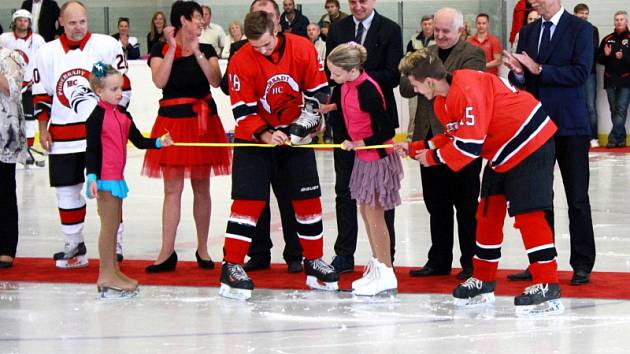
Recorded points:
444,189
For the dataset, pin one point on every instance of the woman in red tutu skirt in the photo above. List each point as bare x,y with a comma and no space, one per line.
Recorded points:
184,70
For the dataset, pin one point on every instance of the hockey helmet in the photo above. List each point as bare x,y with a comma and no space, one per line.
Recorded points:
22,13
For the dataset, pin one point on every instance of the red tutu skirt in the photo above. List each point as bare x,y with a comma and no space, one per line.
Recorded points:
175,162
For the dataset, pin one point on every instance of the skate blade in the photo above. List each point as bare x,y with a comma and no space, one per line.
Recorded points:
314,283
385,294
547,308
113,293
479,300
74,262
296,140
236,294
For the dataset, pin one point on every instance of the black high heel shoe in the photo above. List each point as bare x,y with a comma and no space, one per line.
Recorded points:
167,266
202,263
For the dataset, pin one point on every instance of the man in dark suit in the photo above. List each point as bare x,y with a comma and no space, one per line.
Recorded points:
383,40
553,60
445,190
45,16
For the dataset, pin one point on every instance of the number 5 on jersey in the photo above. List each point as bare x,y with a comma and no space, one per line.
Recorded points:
469,117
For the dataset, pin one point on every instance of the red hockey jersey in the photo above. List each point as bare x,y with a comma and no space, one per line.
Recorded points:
266,92
486,116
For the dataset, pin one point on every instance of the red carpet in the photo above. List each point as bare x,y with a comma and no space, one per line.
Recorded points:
188,274
624,150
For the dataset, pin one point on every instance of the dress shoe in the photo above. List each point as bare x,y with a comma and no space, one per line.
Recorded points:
428,271
257,263
202,263
520,276
294,266
4,264
343,264
167,266
464,274
580,277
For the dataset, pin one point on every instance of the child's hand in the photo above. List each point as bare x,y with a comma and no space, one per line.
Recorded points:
166,140
347,145
93,190
326,107
401,149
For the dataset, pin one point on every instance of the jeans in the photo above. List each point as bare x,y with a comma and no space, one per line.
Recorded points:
618,99
590,92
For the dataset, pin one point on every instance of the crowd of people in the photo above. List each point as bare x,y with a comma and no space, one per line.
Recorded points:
339,73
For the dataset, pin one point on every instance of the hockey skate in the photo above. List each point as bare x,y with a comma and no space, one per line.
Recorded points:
539,300
72,256
307,123
383,282
320,275
474,292
368,273
115,293
235,284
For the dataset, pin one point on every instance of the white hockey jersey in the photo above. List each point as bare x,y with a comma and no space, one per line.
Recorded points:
61,87
27,47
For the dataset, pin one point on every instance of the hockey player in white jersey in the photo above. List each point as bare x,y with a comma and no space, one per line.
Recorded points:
22,39
63,101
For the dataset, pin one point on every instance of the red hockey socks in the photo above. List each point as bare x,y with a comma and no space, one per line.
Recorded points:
538,241
489,237
240,228
310,230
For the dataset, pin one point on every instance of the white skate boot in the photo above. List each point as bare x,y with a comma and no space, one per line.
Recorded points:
383,282
72,256
368,274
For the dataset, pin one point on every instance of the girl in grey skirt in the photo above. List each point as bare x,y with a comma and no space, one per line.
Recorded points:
376,174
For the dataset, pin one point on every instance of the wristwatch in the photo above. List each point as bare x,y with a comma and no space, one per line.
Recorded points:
540,67
201,56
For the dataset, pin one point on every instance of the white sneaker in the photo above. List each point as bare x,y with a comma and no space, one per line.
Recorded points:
383,282
368,274
594,143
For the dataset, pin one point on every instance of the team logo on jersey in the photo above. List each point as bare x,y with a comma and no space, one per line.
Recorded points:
283,85
73,87
23,55
451,127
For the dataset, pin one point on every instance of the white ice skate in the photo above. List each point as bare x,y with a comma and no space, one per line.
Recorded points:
383,282
320,275
72,256
539,300
474,292
114,293
235,284
368,273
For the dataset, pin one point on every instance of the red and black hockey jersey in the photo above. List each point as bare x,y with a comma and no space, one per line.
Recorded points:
266,91
486,116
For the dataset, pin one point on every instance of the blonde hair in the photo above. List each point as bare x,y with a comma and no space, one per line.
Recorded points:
100,72
348,56
422,64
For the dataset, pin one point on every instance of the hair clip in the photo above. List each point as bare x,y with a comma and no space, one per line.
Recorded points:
352,44
99,69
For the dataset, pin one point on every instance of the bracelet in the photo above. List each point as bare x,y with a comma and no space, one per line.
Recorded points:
201,56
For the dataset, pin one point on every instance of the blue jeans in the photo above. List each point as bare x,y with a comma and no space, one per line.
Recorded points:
590,92
618,99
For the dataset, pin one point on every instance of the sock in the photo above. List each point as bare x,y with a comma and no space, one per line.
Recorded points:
240,229
310,230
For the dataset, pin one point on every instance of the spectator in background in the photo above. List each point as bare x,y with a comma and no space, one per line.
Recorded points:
130,45
158,22
292,20
212,33
531,17
313,32
332,15
424,37
488,43
466,32
235,34
590,89
45,17
519,19
614,54
12,150
446,190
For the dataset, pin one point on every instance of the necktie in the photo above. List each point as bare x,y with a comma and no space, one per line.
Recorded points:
543,47
358,38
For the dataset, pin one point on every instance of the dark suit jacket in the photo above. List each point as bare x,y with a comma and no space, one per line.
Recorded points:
385,49
566,66
463,56
48,15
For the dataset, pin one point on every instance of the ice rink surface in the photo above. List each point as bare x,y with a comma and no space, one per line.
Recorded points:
66,318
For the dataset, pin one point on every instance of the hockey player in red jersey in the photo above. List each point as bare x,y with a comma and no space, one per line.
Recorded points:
268,77
485,116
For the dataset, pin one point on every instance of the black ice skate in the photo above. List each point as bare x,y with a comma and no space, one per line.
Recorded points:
320,275
235,284
474,292
306,124
539,300
72,256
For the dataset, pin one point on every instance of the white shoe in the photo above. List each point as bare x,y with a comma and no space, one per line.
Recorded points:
594,143
383,282
368,273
